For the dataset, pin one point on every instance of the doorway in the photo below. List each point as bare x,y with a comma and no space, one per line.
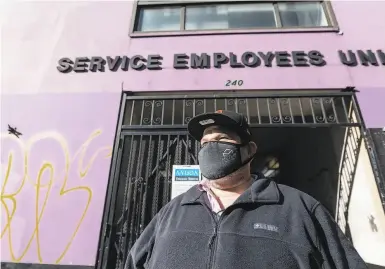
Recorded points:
309,141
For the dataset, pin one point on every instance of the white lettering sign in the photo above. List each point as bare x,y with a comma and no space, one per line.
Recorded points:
183,178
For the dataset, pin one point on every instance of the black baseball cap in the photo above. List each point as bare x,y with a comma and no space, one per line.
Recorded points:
233,121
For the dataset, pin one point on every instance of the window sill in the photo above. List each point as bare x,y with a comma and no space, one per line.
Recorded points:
234,32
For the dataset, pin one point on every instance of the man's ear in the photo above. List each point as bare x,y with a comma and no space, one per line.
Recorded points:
249,151
252,148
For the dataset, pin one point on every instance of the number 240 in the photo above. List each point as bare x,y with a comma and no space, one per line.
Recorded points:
234,83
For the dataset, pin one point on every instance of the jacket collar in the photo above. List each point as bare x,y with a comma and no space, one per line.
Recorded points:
264,191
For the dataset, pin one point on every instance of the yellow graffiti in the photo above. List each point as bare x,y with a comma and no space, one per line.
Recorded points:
83,172
47,167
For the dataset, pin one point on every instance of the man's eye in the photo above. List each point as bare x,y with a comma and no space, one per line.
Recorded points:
203,144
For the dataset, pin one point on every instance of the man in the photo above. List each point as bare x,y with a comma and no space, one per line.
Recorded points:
233,219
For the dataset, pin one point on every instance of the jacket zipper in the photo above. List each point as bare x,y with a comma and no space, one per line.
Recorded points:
212,244
213,240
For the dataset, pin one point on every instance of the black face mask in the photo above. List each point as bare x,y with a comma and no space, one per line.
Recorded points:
219,159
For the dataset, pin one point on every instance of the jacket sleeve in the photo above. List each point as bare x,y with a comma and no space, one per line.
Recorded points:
140,252
337,251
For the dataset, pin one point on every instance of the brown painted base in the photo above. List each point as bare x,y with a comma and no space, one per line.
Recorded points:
11,265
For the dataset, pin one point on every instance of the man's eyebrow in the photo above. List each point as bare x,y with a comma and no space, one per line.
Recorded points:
224,135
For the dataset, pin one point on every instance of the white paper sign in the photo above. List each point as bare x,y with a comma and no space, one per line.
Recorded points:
183,178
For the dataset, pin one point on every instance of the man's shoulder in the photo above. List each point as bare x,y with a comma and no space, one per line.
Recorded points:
294,196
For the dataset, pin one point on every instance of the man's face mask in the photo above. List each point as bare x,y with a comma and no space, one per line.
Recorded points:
219,159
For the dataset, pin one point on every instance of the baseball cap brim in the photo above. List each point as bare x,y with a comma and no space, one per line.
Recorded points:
198,124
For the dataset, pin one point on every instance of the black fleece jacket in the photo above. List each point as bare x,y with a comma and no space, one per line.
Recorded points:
269,226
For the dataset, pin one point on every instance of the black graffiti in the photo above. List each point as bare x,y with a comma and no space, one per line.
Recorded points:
12,130
373,224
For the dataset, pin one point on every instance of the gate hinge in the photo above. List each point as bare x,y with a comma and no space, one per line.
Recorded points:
107,230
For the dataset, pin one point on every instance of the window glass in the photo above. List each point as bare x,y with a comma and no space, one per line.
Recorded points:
159,19
230,16
299,14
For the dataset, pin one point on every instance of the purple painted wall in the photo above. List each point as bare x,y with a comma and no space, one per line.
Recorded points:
371,101
68,120
54,176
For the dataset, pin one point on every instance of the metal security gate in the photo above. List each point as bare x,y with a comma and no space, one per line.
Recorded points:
375,141
144,182
152,136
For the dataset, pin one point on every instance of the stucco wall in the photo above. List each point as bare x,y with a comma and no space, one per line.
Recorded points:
60,163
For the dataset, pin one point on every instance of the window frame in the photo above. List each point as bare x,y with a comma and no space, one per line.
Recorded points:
207,4
326,5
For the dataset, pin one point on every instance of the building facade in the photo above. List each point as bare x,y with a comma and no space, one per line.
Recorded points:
92,91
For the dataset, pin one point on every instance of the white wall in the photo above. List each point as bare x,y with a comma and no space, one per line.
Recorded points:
368,236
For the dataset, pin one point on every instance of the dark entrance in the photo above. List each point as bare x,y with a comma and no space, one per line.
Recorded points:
308,141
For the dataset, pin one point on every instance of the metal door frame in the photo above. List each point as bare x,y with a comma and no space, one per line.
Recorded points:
378,168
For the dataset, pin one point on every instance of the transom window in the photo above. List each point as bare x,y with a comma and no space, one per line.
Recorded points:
225,16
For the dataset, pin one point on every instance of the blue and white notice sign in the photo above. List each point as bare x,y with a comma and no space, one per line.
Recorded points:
183,178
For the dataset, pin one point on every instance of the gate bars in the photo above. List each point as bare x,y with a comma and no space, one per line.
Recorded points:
145,183
262,111
152,136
